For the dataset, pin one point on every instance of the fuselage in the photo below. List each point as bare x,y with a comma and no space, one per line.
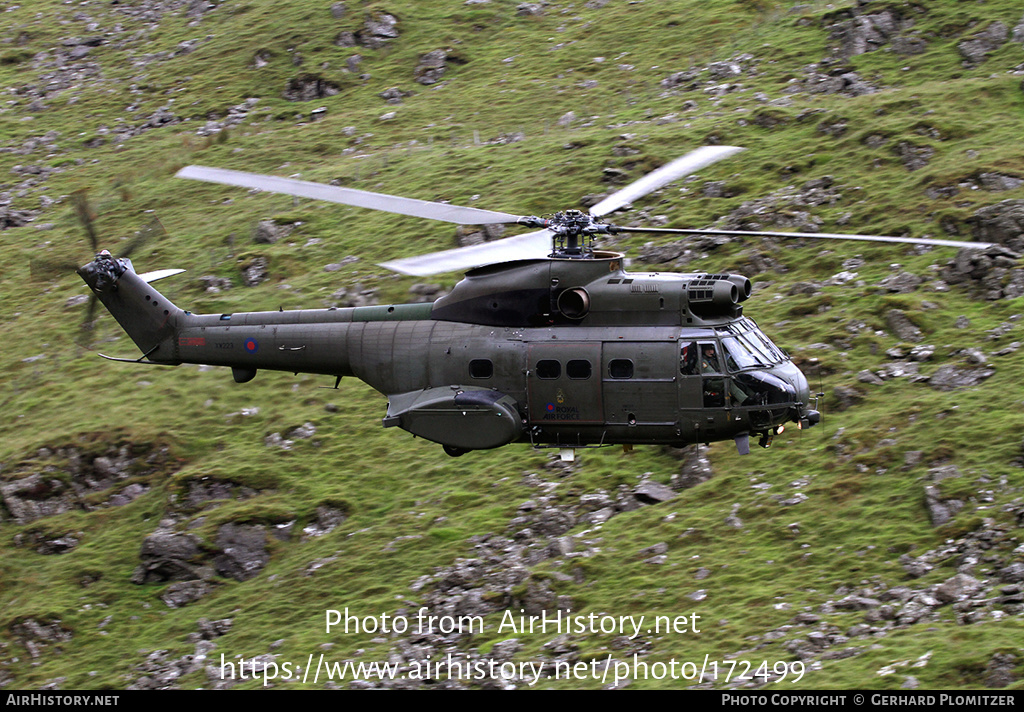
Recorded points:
558,370
574,385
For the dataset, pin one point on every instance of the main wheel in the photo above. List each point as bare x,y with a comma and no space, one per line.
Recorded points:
454,451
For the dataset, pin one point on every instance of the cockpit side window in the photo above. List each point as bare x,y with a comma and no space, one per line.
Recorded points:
688,360
709,361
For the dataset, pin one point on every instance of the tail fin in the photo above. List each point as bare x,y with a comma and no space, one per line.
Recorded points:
149,318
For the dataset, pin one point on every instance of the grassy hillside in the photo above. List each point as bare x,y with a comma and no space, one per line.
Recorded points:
880,117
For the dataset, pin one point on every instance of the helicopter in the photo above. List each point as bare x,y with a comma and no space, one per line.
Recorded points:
547,340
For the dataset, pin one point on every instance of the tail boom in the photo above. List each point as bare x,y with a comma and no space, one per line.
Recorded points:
149,318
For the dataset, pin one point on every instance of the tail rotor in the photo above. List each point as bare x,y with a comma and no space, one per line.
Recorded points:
46,269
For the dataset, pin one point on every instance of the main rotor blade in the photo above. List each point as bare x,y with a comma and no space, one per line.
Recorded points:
820,235
519,247
685,165
349,196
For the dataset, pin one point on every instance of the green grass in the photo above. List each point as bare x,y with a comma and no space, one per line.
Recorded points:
410,510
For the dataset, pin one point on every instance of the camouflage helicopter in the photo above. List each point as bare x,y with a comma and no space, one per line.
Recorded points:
546,340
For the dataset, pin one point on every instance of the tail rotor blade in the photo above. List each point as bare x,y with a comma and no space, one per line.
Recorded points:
42,270
154,230
86,216
88,324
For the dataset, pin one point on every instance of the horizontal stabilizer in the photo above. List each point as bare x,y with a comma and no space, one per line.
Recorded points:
159,274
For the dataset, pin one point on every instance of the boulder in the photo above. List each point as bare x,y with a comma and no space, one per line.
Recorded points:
35,635
182,593
268,232
307,87
983,43
940,510
255,272
378,30
168,555
952,377
431,67
957,588
1002,223
243,551
902,327
694,468
865,33
37,496
649,492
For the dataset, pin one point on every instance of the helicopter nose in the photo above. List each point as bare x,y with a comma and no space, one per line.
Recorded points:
795,390
806,417
803,390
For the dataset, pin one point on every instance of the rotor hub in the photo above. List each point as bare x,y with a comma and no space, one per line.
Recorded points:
573,234
101,274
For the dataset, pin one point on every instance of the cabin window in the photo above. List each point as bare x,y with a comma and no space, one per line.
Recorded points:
481,368
578,369
549,368
620,368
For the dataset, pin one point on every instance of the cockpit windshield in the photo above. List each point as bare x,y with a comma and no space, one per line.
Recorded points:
746,347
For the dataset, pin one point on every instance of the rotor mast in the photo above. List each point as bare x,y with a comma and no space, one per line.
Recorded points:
572,233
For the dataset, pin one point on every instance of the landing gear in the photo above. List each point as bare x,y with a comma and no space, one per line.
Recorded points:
767,437
453,451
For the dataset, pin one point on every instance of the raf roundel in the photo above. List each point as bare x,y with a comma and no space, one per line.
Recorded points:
251,346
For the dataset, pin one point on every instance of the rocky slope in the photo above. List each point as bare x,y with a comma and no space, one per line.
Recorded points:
155,520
